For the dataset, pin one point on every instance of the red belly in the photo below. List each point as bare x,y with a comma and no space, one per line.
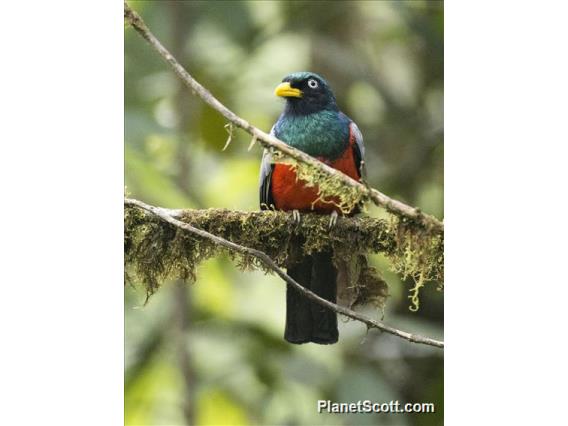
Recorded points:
289,193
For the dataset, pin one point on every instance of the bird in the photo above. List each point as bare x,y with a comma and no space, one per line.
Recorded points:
311,122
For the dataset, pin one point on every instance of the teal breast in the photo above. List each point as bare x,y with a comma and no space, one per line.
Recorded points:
321,134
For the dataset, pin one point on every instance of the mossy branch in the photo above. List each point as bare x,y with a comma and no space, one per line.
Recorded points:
207,243
163,255
331,182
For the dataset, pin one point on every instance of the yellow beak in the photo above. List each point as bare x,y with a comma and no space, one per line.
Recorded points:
286,91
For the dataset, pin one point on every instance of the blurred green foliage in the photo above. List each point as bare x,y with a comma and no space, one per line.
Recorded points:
212,353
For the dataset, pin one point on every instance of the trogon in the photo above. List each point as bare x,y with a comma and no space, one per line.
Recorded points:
312,123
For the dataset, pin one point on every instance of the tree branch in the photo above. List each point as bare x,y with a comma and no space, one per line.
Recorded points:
168,216
268,141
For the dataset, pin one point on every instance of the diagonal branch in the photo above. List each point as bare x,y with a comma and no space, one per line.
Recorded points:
393,206
167,216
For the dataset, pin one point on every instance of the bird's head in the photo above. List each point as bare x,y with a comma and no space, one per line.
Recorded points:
306,93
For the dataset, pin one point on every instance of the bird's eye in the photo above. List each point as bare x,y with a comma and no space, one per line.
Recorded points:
312,84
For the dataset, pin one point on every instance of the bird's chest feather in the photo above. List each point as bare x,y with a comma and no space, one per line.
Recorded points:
290,193
320,134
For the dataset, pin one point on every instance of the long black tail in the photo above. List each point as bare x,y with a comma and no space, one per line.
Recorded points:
306,321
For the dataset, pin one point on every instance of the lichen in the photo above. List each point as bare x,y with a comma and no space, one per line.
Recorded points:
156,251
418,254
330,189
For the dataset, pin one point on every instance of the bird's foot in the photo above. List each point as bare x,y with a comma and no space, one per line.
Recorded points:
333,219
296,217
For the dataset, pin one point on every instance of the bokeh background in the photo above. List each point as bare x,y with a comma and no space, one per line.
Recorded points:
212,353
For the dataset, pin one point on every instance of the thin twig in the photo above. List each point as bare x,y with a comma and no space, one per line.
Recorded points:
380,199
165,215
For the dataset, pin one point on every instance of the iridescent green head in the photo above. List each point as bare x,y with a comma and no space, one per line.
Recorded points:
306,93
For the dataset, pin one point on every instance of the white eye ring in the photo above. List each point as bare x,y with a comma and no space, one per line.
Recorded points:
312,84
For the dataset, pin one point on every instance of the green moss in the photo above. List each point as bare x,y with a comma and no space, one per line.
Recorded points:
330,188
156,251
419,254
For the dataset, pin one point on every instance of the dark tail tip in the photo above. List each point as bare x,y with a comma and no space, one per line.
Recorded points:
307,321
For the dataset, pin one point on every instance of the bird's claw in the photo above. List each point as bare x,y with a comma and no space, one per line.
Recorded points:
296,217
333,219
